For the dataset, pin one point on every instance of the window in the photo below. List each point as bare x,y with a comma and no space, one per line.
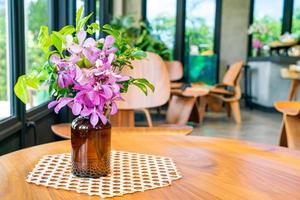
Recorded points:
269,17
5,93
296,17
200,25
201,60
162,17
36,15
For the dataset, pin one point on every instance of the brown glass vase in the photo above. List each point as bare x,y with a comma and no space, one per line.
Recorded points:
90,148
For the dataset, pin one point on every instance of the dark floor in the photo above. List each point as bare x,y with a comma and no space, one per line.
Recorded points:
257,126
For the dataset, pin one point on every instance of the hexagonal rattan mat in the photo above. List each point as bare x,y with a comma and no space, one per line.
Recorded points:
131,172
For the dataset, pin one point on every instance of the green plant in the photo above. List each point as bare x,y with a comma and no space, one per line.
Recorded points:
67,59
139,34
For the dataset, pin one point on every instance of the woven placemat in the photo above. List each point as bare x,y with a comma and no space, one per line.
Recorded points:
131,172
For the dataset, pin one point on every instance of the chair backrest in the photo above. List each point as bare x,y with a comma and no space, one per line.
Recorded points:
231,77
175,70
155,71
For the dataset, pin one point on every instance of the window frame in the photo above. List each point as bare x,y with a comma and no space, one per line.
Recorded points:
61,12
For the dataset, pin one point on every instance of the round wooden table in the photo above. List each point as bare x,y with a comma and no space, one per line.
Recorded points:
212,169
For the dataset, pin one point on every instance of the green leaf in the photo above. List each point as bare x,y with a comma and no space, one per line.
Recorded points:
78,15
95,26
20,89
32,81
66,30
82,22
89,31
57,40
139,54
142,87
87,63
44,38
147,83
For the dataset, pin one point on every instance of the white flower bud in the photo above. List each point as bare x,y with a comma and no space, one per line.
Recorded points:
101,40
99,63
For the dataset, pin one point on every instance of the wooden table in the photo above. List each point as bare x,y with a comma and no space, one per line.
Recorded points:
212,169
295,78
64,130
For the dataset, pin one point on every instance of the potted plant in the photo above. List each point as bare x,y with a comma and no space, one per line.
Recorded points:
261,35
84,74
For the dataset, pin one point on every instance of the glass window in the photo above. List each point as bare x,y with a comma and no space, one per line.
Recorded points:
269,19
36,15
296,17
162,17
5,103
201,60
200,24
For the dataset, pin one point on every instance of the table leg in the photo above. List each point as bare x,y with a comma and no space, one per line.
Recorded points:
293,90
201,106
283,138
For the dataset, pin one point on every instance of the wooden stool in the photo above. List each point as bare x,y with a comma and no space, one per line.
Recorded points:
290,130
184,102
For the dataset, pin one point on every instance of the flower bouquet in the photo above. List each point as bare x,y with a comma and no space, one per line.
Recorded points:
84,74
261,36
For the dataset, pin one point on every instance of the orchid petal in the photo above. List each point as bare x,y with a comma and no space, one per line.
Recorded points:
103,118
75,48
94,119
111,58
76,108
74,58
107,91
109,41
60,81
96,100
123,78
111,50
52,104
114,108
69,39
63,102
85,111
90,42
81,35
54,58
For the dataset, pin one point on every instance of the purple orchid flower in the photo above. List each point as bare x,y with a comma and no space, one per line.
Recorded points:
257,44
95,89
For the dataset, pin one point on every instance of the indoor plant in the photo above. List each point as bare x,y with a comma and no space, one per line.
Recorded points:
260,36
84,74
140,34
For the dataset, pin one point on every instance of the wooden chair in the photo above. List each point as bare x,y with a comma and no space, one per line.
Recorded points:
290,130
154,70
229,91
175,70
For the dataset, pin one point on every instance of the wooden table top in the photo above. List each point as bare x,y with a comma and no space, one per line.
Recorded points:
289,74
64,130
212,169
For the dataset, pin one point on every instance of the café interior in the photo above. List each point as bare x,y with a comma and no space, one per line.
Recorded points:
89,87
